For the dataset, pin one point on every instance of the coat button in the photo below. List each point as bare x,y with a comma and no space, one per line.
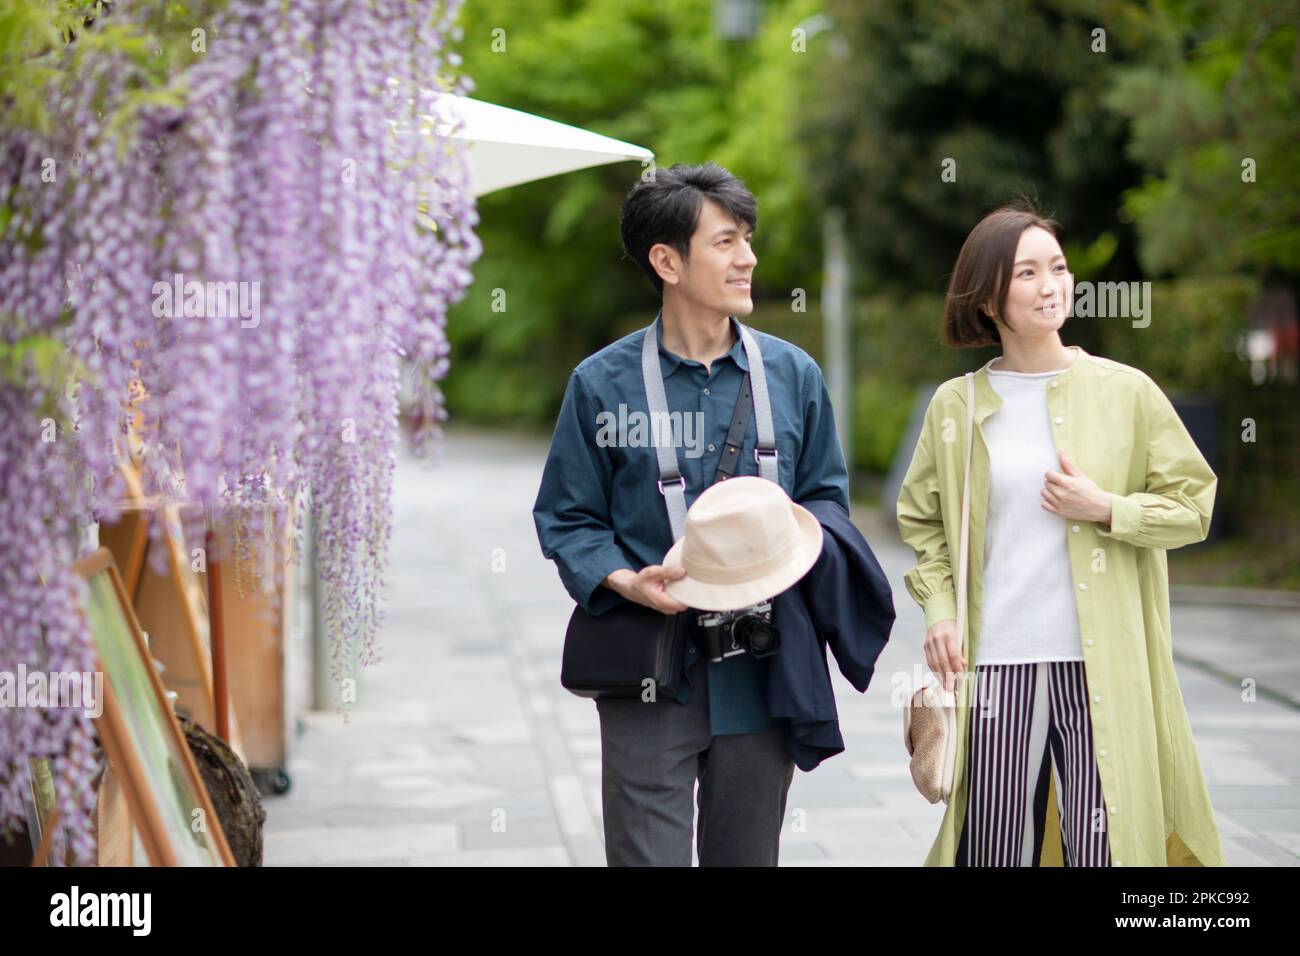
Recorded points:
691,651
711,446
1082,586
1075,529
706,391
1058,419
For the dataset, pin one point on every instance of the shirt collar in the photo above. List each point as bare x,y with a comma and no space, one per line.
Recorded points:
670,361
987,401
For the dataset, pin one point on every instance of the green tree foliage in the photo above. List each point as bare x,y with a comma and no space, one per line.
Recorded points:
553,285
1005,98
1215,117
1129,122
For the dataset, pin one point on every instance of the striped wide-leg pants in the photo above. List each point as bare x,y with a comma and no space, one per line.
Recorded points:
1026,721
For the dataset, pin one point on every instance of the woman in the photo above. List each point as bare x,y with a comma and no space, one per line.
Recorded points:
1073,743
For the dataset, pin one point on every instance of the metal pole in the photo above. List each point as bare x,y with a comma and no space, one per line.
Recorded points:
325,693
217,634
836,339
322,696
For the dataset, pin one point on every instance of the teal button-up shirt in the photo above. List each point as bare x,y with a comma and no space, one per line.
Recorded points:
599,507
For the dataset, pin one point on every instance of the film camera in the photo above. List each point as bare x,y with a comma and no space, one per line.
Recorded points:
750,629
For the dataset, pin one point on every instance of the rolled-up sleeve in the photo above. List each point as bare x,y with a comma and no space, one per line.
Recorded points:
1175,507
572,511
821,472
920,522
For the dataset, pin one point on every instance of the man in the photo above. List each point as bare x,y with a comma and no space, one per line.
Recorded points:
601,517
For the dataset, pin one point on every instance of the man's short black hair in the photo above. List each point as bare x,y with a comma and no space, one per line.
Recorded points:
667,209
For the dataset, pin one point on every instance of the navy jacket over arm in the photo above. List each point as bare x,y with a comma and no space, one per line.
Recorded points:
844,602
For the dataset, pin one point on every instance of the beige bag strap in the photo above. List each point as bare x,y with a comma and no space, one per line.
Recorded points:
963,555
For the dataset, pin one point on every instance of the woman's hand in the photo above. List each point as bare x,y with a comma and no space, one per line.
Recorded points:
943,652
1074,495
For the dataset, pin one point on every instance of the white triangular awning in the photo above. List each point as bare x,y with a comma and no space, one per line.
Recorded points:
507,147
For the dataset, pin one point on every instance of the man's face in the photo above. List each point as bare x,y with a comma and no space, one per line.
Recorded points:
717,274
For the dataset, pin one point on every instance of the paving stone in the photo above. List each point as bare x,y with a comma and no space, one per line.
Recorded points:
464,724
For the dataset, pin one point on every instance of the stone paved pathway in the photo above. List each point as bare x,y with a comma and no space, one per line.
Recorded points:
464,749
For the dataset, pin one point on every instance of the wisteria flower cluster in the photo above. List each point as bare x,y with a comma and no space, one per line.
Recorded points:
257,251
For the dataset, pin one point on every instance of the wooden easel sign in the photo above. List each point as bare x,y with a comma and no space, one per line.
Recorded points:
168,802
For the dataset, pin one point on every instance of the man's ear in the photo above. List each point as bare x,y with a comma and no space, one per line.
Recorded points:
665,260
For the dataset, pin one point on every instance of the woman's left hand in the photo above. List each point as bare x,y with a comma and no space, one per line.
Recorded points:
1072,494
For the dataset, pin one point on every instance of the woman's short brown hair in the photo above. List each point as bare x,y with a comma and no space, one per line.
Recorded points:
983,274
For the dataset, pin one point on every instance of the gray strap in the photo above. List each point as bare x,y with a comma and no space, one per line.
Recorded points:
765,452
671,483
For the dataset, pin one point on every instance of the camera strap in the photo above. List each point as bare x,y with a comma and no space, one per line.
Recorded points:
671,483
735,434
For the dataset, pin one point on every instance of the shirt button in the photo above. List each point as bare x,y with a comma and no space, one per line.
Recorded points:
1075,529
1058,419
1089,642
1082,586
711,446
1101,753
1114,809
706,391
1118,863
1096,698
1054,384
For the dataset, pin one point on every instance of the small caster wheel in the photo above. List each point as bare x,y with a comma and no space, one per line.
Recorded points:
280,782
272,781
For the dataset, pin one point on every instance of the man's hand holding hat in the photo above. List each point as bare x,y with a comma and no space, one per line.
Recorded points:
647,586
745,541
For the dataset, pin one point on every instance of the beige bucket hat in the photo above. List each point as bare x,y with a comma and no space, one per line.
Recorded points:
744,541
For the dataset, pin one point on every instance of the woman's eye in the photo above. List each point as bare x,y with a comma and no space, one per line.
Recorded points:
1026,272
1061,267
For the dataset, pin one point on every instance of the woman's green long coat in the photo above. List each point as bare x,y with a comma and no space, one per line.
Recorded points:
1121,431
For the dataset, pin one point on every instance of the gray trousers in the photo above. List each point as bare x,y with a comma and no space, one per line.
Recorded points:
652,754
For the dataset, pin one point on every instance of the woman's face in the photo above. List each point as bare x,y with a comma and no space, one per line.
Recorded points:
1041,288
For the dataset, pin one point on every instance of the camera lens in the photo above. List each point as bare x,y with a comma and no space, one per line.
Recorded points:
758,635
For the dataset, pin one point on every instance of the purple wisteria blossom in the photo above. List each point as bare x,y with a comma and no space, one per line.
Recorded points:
275,183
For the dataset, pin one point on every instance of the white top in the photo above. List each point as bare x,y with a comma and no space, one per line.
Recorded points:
1029,613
